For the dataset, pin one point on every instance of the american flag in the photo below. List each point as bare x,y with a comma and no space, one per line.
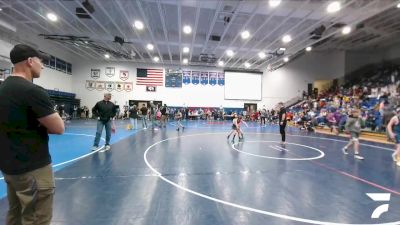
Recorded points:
150,77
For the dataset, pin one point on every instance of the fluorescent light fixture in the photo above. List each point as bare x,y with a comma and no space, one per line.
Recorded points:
52,17
245,34
282,49
150,47
246,64
187,29
221,63
156,59
107,56
333,7
230,53
309,48
138,24
262,55
286,39
286,59
274,3
185,49
185,61
346,30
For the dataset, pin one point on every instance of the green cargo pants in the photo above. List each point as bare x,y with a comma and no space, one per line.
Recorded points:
30,197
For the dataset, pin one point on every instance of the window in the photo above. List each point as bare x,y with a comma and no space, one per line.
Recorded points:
69,68
58,64
52,62
61,65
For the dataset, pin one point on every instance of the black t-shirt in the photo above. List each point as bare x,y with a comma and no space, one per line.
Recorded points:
281,112
133,113
164,111
144,110
24,142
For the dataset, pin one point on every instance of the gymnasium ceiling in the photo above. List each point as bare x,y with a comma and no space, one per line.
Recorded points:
216,27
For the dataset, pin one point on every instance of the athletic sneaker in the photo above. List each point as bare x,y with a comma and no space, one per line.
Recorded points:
227,137
394,157
357,156
94,148
344,150
108,147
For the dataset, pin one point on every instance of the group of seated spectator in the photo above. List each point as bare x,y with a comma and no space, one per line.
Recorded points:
376,96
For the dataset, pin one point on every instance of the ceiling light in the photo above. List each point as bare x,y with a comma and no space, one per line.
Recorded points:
52,17
150,47
230,53
246,64
286,59
286,39
220,63
269,67
156,59
245,34
346,30
107,56
86,42
309,48
282,49
1,9
398,6
262,55
274,3
187,29
333,7
185,61
138,24
185,49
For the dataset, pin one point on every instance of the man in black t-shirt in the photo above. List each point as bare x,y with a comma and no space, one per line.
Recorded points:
27,116
105,111
144,110
282,121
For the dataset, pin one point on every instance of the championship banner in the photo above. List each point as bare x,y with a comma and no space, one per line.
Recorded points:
221,78
128,87
213,78
90,85
186,77
123,75
110,71
100,85
119,86
204,78
195,77
110,86
95,73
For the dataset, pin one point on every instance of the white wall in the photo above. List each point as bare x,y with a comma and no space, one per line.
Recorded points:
292,79
190,95
55,80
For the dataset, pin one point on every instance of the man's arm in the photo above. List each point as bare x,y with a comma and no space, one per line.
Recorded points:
53,123
95,110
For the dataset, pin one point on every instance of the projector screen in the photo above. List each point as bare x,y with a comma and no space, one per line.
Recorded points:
243,85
